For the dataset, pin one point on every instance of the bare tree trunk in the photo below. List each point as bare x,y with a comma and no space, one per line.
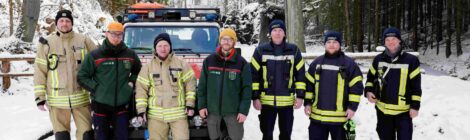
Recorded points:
449,28
425,21
398,6
439,36
377,26
391,13
370,26
10,10
348,26
458,25
414,24
295,24
29,19
359,27
430,14
385,11
263,33
466,16
403,14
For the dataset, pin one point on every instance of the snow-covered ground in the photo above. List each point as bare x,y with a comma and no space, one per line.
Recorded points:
456,66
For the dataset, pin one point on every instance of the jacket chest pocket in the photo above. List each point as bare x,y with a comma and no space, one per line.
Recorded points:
157,82
286,64
127,65
79,54
270,71
175,75
233,76
57,70
280,68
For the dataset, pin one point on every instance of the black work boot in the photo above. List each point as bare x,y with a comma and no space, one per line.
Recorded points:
62,135
88,135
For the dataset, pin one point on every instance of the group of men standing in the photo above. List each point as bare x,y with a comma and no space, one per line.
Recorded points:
69,69
332,86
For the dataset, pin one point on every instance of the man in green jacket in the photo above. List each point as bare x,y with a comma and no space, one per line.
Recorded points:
224,90
109,73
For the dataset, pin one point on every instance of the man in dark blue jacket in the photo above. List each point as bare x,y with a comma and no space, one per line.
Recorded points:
334,89
394,85
278,73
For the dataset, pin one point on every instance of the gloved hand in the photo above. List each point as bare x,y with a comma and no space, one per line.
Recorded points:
189,111
142,118
42,106
203,113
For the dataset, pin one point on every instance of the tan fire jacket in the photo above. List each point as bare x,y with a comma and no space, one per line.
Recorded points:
166,88
55,70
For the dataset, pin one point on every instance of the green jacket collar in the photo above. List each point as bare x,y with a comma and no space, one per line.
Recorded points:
110,49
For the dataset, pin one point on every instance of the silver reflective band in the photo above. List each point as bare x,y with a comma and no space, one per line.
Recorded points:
391,34
276,26
393,66
280,57
328,67
331,38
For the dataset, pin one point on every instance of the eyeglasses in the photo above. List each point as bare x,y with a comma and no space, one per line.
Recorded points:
116,34
226,39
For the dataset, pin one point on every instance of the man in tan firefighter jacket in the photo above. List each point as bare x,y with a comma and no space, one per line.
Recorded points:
166,93
55,82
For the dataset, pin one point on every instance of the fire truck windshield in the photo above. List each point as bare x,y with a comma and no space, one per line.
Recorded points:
196,39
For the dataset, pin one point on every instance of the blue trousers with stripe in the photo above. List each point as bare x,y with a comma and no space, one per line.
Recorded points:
319,131
392,127
110,123
267,120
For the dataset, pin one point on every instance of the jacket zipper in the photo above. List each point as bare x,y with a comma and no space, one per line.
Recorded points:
161,75
116,88
222,86
66,70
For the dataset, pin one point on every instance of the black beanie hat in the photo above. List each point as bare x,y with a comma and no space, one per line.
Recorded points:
391,32
333,35
65,14
277,23
160,37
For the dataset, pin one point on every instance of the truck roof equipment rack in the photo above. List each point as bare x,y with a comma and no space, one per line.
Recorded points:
172,15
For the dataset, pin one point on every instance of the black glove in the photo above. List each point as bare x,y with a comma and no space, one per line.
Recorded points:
41,103
141,114
256,95
300,93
